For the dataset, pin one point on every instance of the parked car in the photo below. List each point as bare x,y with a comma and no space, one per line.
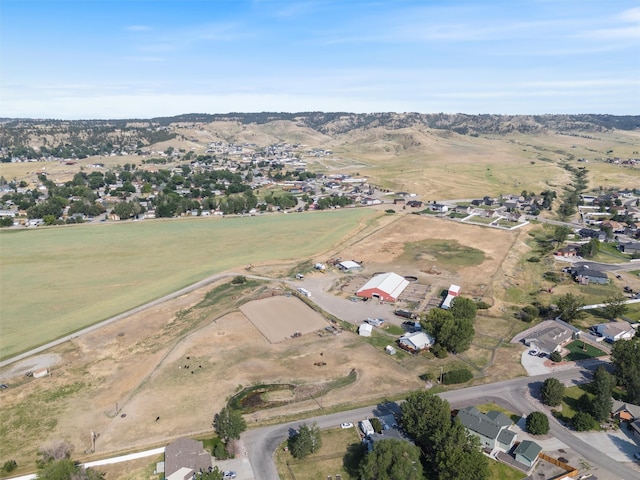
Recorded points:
376,322
346,425
533,352
229,474
542,355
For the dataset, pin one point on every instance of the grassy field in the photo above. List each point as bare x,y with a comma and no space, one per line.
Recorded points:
58,280
340,453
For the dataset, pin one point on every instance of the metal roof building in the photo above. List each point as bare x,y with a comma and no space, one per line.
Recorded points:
386,286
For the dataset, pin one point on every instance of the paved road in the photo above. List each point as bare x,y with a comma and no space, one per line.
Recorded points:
515,395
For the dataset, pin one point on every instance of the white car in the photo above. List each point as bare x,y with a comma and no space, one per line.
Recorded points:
346,425
229,474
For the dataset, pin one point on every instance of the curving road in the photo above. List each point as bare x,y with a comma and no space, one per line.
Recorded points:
515,395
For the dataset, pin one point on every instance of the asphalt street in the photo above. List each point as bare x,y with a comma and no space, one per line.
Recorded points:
515,395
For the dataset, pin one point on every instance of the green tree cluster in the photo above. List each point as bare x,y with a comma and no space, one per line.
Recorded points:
305,441
570,307
450,452
453,328
229,424
583,421
625,357
392,459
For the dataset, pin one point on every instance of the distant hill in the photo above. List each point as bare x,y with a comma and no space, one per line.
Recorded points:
35,138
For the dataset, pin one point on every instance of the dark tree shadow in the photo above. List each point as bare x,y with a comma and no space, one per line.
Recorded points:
353,457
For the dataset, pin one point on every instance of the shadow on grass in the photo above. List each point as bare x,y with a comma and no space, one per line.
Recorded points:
353,457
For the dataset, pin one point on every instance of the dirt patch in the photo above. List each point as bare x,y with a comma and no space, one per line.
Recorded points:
282,317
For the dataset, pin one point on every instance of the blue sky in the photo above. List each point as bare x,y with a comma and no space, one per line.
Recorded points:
144,58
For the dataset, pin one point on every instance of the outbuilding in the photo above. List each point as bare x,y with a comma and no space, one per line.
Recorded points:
349,266
416,342
386,286
365,330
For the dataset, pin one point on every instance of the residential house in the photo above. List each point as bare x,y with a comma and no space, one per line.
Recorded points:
591,233
184,457
492,428
585,275
527,453
416,342
614,331
635,428
625,411
550,339
414,203
439,207
630,248
567,251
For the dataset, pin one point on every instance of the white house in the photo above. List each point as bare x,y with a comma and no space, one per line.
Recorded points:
416,342
614,331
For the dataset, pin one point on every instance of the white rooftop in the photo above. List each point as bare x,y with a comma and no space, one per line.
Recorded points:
390,283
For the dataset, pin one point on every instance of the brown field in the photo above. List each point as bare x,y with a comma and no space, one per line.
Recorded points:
279,317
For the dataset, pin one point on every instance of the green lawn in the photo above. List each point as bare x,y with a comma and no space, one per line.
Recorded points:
578,353
501,471
570,403
54,281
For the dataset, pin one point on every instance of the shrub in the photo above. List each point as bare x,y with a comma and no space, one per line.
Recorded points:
219,449
480,305
537,423
533,259
583,421
556,357
239,280
9,466
375,423
460,375
390,210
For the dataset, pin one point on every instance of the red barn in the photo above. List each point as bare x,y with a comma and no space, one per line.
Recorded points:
386,286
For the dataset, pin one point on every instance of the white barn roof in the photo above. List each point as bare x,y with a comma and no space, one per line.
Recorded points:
365,330
349,265
417,341
390,283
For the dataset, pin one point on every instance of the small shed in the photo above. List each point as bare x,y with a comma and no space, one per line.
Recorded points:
365,330
349,266
390,350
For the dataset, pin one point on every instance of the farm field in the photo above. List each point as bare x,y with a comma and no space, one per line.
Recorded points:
58,280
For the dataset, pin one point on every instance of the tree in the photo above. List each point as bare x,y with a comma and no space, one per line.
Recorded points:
561,233
590,249
390,460
625,357
305,441
569,307
458,455
422,414
615,306
555,357
552,392
453,333
537,423
229,424
463,307
582,421
603,383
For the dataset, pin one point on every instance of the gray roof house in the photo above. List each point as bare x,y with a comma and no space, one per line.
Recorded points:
184,457
527,453
625,411
492,428
614,331
585,275
550,339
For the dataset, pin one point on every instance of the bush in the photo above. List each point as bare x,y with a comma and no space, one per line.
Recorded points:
583,421
219,449
556,357
375,423
460,375
390,210
480,305
239,280
9,466
537,423
533,259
